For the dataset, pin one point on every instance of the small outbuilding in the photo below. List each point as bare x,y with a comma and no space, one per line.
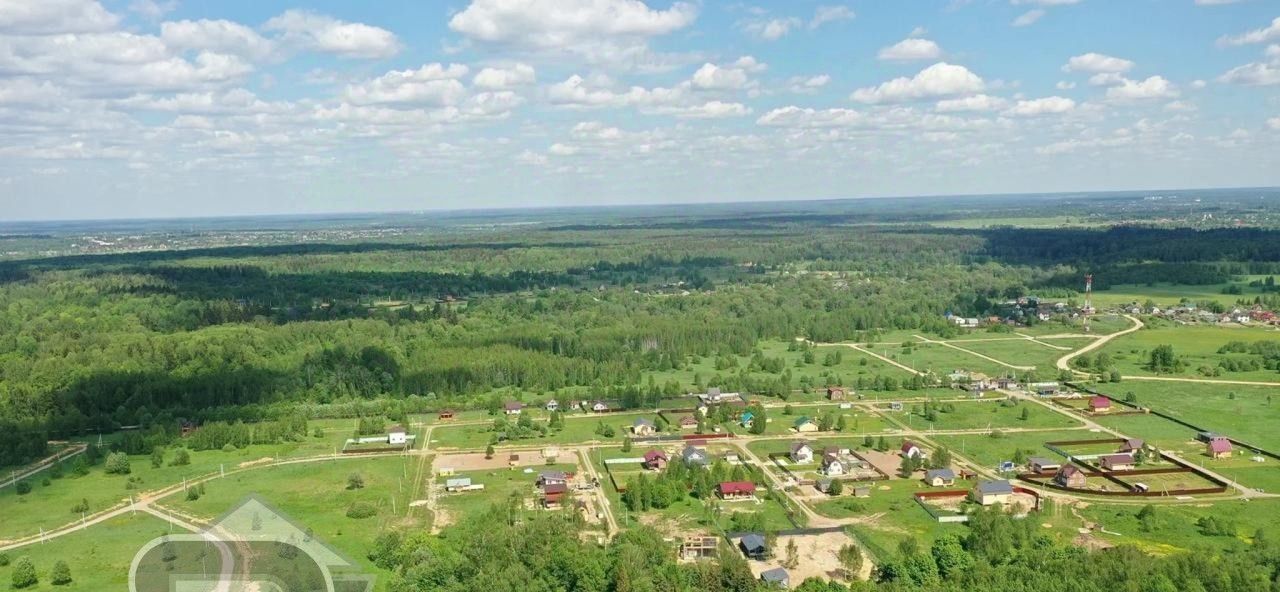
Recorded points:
753,546
1117,462
1219,447
1099,404
776,578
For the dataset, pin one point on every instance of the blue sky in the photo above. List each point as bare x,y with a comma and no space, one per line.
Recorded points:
157,108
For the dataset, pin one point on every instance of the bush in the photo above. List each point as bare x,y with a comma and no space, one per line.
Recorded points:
81,507
61,574
24,574
355,481
4,560
117,464
361,510
229,447
23,487
181,457
193,494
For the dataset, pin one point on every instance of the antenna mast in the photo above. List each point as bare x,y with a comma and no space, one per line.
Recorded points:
1088,300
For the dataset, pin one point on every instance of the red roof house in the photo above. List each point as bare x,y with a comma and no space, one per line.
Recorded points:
736,489
1100,404
553,494
1219,448
655,459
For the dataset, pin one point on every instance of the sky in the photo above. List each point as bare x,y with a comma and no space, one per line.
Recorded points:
173,108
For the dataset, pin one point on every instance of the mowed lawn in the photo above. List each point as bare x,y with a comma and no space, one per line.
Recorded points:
1248,413
99,557
1197,346
315,495
1025,352
49,506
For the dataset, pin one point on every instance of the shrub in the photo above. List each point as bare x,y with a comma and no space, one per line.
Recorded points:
24,574
61,574
355,481
193,494
81,507
361,510
181,457
4,560
23,487
117,464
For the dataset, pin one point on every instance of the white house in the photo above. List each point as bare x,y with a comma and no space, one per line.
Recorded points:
553,405
801,453
396,436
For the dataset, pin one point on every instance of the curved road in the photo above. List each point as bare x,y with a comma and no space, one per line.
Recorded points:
1064,363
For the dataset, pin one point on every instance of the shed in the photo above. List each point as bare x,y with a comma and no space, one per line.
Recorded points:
752,545
776,577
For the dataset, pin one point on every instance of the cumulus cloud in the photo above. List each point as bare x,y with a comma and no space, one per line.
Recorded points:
1044,106
151,9
432,84
1028,18
973,103
601,30
325,34
939,80
728,77
1096,63
215,35
1274,123
913,48
830,14
45,17
808,84
1155,87
1254,74
505,78
772,29
1263,35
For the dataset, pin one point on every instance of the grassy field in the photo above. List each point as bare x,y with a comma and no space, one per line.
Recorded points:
99,557
1173,528
1165,294
891,513
315,495
577,429
990,452
1196,346
499,486
1026,353
989,414
1249,413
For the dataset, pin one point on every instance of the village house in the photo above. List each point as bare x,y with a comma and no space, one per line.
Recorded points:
746,418
832,464
910,450
457,484
655,460
599,407
694,456
1117,462
1071,476
1006,383
643,427
895,406
553,494
1099,404
835,393
776,578
1044,389
1040,464
513,408
753,547
1132,445
736,490
552,477
940,477
688,422
445,414
990,493
801,452
1218,447
715,396
397,436
805,425
553,405
699,547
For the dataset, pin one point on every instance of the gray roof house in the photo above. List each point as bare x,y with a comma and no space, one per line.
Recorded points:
776,577
692,455
995,488
753,546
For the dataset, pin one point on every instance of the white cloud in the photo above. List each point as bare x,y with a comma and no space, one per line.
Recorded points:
772,29
325,34
1065,85
939,80
151,9
1198,84
1096,63
505,78
793,116
600,30
1254,74
1028,18
44,17
1179,107
1263,35
432,84
731,77
1044,106
559,149
1274,123
830,14
973,103
215,35
1106,79
708,110
1155,87
913,48
808,84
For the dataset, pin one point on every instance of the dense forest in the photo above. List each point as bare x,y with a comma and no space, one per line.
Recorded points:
91,343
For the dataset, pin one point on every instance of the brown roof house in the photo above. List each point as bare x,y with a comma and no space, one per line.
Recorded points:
1218,447
1071,476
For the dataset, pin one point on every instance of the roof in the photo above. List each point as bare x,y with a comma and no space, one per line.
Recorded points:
797,446
940,473
458,482
1118,459
907,445
737,487
512,405
747,415
692,452
600,404
554,488
396,429
643,421
1069,470
1220,445
688,419
1099,401
803,420
654,454
1133,443
995,487
777,575
752,542
552,476
1043,462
